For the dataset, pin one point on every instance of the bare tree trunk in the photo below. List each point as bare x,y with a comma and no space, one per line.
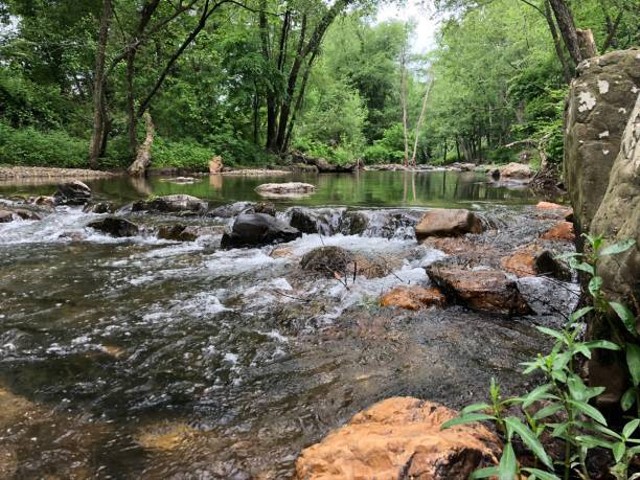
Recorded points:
423,109
143,157
99,133
403,101
567,26
566,70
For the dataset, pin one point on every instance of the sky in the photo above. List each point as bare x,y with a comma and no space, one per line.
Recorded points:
426,24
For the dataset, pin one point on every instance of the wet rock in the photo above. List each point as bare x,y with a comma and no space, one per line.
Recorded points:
354,223
561,232
172,204
115,226
548,296
165,436
515,171
481,290
9,215
100,207
400,438
548,265
258,229
328,261
284,189
72,193
184,233
231,210
304,220
441,222
264,207
326,221
43,201
413,298
6,216
600,104
532,260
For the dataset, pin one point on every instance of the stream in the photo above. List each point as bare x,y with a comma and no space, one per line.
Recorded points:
145,358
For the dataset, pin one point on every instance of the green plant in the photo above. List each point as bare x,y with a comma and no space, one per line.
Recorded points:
564,399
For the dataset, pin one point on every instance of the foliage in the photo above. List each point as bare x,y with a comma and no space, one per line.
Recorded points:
561,406
31,147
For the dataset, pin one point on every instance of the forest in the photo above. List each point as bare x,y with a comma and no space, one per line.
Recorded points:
82,82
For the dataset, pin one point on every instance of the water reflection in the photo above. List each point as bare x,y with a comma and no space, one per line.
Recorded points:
373,189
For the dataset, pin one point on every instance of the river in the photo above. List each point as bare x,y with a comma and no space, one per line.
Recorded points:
146,358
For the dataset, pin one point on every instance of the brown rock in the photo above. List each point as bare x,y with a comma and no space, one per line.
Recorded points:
6,216
413,298
482,290
441,222
522,262
562,232
399,438
516,171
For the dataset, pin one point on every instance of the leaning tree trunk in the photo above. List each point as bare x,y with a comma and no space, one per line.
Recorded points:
99,133
567,26
143,158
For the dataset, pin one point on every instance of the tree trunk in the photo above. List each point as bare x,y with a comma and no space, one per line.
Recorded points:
423,109
99,134
566,69
403,101
143,157
567,26
132,120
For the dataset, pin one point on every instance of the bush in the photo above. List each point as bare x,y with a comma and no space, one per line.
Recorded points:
31,147
165,153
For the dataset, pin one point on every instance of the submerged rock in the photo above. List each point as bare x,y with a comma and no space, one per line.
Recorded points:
9,215
285,189
339,262
100,207
258,229
172,204
400,438
413,298
115,226
487,290
184,233
442,222
72,193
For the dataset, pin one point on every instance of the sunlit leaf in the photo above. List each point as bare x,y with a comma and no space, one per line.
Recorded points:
618,247
626,315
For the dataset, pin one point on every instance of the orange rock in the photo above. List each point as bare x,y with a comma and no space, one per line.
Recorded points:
548,206
215,165
442,222
413,298
399,438
562,231
522,262
452,245
565,212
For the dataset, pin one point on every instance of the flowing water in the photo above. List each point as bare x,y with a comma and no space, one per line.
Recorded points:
145,358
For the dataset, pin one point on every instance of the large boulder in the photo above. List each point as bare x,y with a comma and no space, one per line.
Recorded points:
179,203
486,290
115,226
442,222
515,172
74,192
600,102
258,229
289,189
400,438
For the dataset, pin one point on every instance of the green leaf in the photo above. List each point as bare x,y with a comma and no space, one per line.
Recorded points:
618,247
548,411
475,408
538,393
578,314
593,442
469,418
626,315
552,333
603,344
618,451
588,410
595,285
583,266
538,474
630,427
508,468
628,399
529,439
487,472
633,362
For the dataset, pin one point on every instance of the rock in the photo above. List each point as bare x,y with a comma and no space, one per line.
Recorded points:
72,193
284,189
441,222
231,210
354,223
43,201
481,290
560,232
258,229
600,103
115,226
179,203
558,210
326,221
6,216
413,298
100,207
337,261
183,233
215,165
400,438
516,171
532,260
303,219
546,296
